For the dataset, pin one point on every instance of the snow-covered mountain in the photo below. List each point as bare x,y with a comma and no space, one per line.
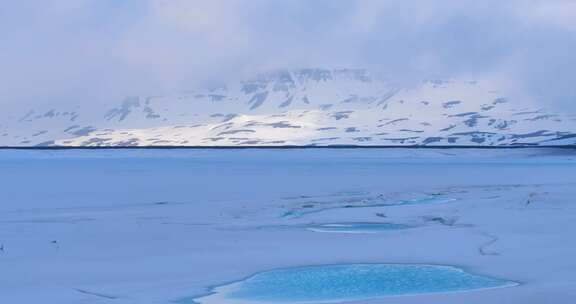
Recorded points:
302,107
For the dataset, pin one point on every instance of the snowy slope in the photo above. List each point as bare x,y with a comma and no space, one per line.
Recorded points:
302,107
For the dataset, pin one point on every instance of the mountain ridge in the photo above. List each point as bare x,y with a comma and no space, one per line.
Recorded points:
303,107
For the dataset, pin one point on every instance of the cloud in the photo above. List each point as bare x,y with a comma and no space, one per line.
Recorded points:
96,51
560,14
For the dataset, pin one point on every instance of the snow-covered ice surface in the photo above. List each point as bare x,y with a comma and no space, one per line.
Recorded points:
158,226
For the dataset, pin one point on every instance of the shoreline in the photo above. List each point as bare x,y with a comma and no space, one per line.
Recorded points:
287,147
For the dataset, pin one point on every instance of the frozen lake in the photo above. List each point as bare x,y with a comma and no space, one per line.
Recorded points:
156,226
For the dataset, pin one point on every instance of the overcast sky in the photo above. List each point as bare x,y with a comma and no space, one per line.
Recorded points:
92,51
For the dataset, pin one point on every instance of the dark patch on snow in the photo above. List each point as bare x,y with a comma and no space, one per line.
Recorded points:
326,138
50,113
393,122
83,131
249,88
96,141
431,140
526,113
258,99
401,140
229,117
352,98
476,136
314,74
216,97
71,128
501,124
451,104
131,142
227,125
474,133
150,114
541,117
448,128
124,110
282,124
473,120
28,115
361,75
464,114
283,81
236,132
341,115
564,136
161,141
250,142
39,133
534,134
500,100
387,96
287,102
326,129
46,143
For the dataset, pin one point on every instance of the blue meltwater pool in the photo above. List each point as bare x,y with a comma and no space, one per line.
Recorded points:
340,283
360,228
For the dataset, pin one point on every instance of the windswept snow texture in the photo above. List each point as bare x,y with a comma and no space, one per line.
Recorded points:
158,226
339,283
301,107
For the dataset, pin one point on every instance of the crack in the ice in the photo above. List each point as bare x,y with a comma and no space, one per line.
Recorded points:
96,294
483,248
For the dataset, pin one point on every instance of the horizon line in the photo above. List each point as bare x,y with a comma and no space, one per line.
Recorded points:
287,147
